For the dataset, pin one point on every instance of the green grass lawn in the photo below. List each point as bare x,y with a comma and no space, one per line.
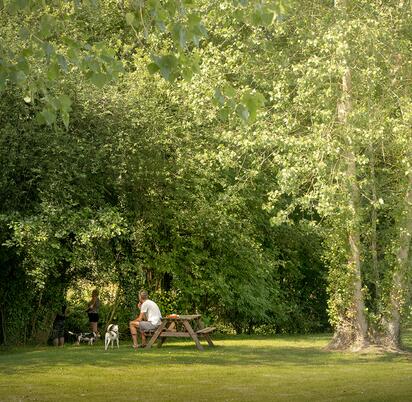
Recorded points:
278,368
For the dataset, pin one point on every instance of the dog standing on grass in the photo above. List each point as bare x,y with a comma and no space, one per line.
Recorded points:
87,337
112,334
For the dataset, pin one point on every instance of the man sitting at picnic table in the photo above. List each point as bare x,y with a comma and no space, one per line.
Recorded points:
148,320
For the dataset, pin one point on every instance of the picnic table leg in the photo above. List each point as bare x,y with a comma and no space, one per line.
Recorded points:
156,335
162,340
209,339
201,325
193,335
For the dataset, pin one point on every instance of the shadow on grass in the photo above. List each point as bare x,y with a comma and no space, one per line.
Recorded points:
229,351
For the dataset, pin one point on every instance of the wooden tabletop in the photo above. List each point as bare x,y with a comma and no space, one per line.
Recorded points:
184,317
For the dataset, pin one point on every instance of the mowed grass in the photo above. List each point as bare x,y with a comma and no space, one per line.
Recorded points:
278,368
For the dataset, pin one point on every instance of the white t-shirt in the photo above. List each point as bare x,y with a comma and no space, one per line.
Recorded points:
152,312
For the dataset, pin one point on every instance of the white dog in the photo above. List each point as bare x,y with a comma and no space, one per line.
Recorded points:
112,334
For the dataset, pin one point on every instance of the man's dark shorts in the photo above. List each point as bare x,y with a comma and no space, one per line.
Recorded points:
58,329
93,317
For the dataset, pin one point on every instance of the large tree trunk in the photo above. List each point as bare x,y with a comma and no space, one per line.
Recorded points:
352,332
399,294
360,327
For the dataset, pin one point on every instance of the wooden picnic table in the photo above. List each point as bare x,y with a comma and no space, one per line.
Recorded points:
182,326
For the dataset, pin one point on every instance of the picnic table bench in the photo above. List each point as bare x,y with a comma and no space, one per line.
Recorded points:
181,326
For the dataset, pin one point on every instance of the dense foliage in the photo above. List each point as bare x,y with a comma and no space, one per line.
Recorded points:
144,185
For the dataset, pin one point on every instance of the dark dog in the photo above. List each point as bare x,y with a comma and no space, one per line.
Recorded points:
87,337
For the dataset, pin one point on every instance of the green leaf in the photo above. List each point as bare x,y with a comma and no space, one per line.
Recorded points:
53,71
49,116
196,29
54,103
256,18
239,15
229,91
153,68
91,64
98,79
22,65
65,119
130,19
219,97
196,40
179,35
73,55
262,16
17,5
27,52
168,65
40,119
171,7
243,112
47,26
223,114
187,74
48,50
252,102
65,103
267,18
71,43
19,78
24,33
61,60
193,19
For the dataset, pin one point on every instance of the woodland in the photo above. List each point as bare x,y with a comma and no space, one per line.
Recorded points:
247,160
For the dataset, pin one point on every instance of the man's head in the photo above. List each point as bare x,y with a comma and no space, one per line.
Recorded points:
143,296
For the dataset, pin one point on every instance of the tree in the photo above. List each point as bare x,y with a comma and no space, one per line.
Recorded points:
345,162
352,328
149,185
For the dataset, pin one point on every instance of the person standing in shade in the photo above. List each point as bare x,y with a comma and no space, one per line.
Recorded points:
93,311
58,327
148,319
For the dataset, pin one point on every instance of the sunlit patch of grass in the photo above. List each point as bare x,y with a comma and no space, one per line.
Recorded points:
239,368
